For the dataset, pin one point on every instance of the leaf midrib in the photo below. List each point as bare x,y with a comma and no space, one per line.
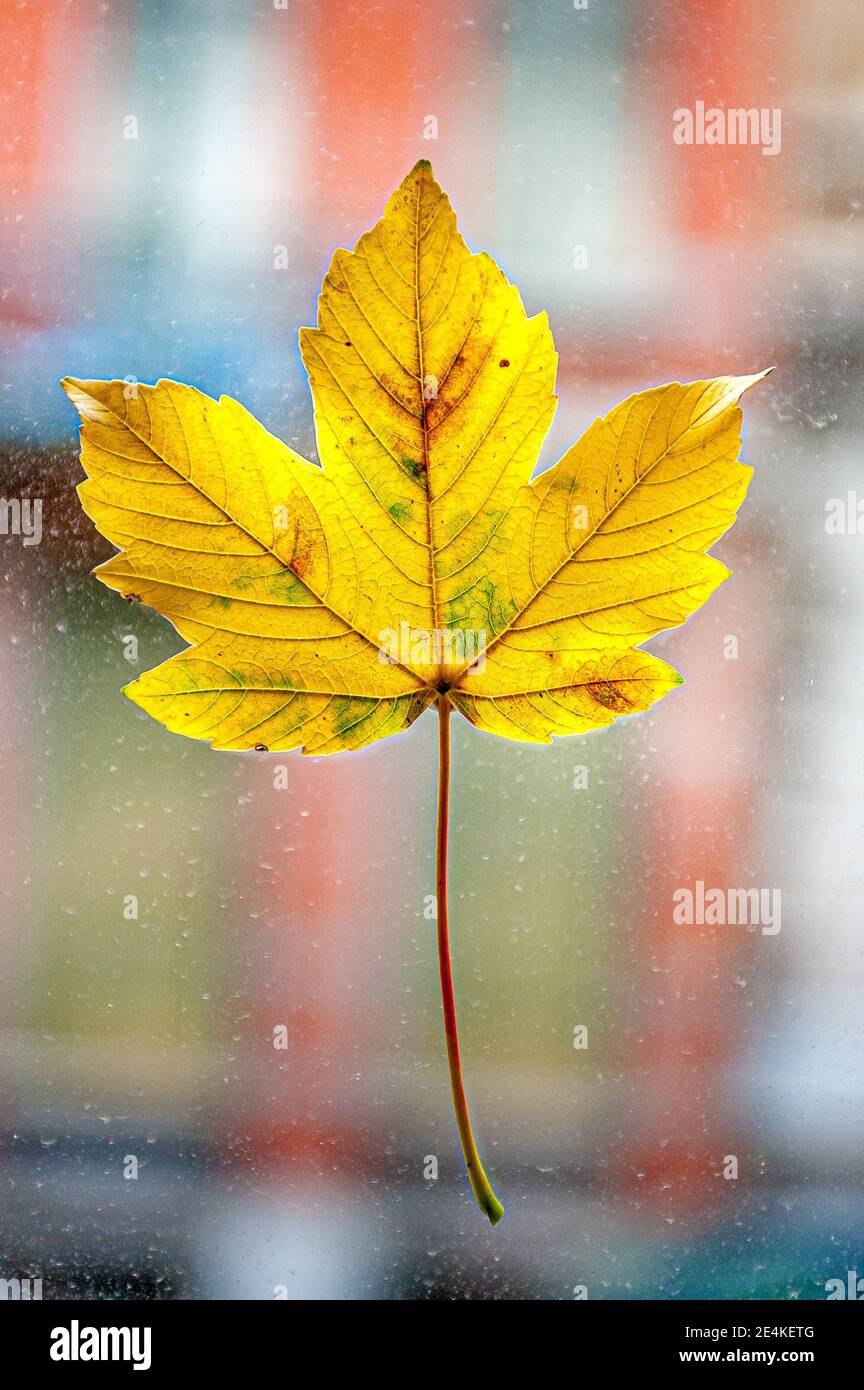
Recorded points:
430,538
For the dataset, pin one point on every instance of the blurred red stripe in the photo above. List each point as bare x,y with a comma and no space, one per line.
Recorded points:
727,53
690,1030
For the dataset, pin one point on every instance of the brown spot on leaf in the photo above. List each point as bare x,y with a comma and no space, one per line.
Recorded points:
505,362
609,696
300,561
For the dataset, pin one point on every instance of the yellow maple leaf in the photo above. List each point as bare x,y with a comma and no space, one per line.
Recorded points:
327,607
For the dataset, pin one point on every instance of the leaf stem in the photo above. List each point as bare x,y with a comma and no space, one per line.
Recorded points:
480,1184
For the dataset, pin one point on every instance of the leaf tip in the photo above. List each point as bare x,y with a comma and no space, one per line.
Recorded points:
74,389
415,175
83,398
756,378
132,691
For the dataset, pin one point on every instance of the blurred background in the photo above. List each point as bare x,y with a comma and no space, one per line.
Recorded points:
174,181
